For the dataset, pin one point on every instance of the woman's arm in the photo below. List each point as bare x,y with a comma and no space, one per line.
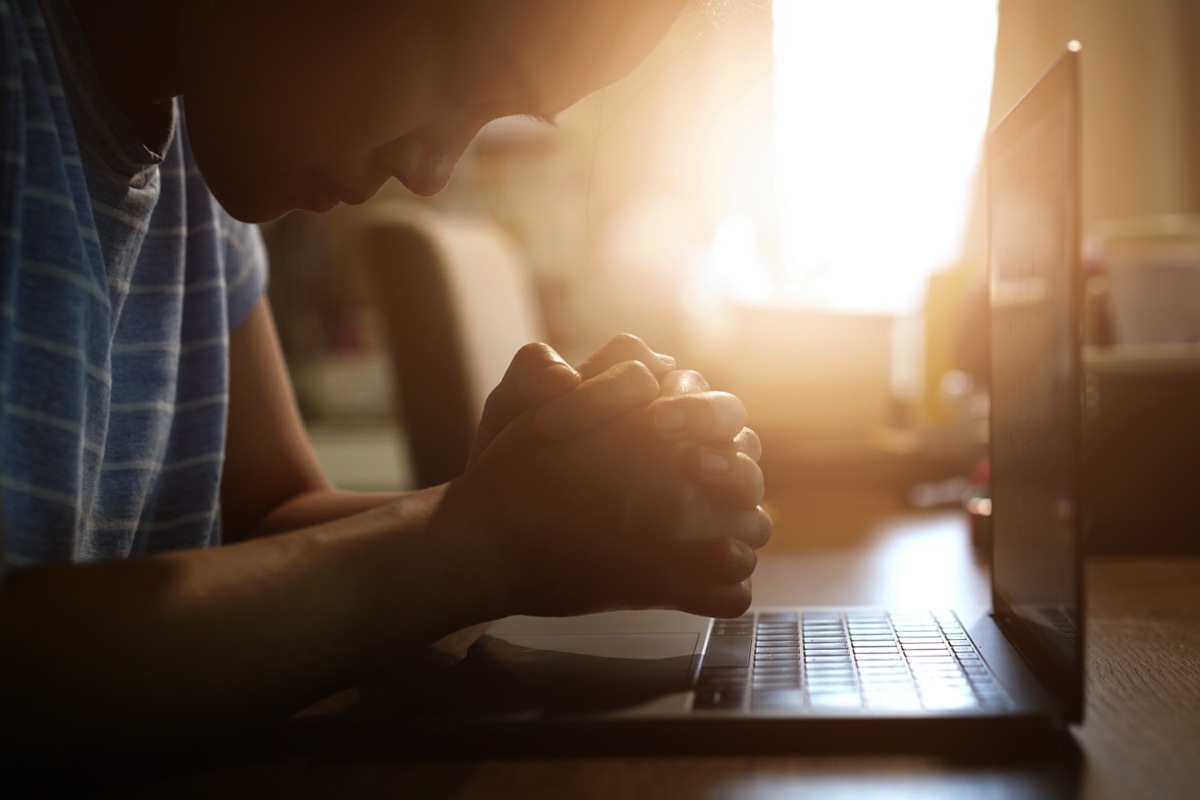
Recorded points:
165,648
158,649
161,648
271,480
273,483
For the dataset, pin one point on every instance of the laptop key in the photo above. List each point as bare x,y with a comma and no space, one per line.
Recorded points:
778,698
728,650
834,701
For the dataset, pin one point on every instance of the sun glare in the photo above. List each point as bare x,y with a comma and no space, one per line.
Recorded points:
881,110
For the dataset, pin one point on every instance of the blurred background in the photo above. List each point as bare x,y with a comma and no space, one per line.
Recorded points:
786,197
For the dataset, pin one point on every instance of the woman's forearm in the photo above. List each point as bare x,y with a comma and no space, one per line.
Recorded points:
165,647
317,508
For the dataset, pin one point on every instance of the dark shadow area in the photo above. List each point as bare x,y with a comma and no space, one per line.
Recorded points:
561,707
1139,461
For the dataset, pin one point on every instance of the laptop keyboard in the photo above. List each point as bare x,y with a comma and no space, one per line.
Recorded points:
845,661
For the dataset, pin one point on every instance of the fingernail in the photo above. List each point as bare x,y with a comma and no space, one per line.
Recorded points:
713,462
668,419
558,376
666,359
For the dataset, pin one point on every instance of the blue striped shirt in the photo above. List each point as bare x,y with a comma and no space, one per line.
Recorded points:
120,279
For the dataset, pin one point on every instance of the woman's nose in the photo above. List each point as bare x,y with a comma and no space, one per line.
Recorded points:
425,163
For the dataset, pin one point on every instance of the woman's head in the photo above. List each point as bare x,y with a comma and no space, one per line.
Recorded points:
302,104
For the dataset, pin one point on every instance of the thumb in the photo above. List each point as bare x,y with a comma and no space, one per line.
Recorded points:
536,374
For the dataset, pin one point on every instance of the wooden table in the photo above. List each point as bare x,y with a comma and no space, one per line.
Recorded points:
1141,737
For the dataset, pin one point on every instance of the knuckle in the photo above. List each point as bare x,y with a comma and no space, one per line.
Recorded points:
749,441
635,368
627,342
729,414
736,405
688,381
636,376
746,568
766,527
533,355
744,492
755,482
627,347
751,495
533,350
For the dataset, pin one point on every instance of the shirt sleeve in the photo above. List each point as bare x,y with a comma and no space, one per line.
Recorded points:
245,269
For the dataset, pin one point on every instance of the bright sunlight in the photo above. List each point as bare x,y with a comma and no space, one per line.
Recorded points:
881,111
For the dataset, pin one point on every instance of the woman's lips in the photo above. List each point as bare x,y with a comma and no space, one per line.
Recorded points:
321,203
351,197
317,198
322,193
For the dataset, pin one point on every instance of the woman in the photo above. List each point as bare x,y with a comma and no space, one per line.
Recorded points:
147,414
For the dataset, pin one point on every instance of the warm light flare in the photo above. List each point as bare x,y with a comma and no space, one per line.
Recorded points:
881,110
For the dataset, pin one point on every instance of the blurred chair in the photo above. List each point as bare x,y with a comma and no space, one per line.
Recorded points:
457,301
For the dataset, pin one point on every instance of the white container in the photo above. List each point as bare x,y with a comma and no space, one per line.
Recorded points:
1153,269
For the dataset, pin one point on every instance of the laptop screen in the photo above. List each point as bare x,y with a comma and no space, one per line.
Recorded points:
1034,235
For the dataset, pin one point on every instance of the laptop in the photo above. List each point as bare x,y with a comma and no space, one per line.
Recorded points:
808,680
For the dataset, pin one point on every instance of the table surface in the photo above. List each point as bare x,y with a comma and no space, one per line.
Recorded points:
1141,736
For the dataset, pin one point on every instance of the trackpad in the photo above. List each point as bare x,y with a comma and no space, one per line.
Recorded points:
573,673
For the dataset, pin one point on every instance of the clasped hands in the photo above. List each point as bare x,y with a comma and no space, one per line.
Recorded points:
624,484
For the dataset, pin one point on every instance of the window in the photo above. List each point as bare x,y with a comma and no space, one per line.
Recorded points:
881,108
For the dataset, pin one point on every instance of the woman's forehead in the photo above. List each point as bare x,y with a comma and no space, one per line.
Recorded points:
570,49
